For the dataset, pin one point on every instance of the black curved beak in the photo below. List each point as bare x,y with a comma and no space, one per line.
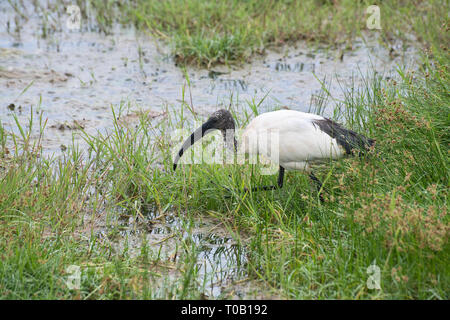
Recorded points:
195,136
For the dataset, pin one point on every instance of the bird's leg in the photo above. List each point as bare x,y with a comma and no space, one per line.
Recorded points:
278,186
280,177
318,184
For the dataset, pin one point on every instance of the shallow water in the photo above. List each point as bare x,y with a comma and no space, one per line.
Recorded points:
220,260
76,76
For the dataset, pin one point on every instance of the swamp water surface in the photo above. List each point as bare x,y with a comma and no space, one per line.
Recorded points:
74,78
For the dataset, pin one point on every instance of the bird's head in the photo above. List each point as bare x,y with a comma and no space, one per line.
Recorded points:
220,120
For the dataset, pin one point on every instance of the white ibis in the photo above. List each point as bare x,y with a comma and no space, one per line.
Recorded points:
302,138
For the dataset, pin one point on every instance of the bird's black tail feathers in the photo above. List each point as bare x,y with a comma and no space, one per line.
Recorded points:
348,139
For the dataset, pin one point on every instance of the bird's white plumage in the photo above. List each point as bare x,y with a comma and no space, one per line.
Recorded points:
298,139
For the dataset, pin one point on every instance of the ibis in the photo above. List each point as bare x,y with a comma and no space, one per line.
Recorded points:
302,138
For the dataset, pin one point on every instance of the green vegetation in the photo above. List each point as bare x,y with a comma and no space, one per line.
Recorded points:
206,33
210,32
389,208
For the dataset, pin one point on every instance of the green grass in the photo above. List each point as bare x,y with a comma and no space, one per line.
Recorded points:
389,208
206,33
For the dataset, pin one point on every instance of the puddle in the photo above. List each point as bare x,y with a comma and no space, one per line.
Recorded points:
220,260
77,76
